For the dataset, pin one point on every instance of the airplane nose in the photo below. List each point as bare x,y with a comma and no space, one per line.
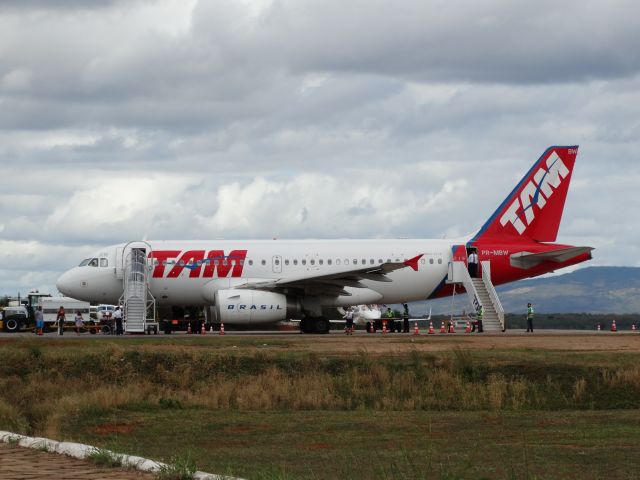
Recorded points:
63,284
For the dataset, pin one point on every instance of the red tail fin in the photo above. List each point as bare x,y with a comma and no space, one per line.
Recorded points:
533,210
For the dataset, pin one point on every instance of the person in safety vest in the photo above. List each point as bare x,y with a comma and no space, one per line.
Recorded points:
530,313
480,316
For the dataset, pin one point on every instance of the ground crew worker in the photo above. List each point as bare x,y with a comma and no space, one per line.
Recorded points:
530,313
390,316
480,316
405,318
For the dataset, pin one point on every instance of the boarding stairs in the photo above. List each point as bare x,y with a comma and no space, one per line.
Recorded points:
481,292
136,298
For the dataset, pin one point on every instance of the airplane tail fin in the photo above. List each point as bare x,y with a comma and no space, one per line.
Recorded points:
533,210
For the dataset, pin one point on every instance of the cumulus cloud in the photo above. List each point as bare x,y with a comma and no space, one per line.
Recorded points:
255,119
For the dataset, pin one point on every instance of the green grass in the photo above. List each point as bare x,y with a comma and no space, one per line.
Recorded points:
383,445
235,406
104,458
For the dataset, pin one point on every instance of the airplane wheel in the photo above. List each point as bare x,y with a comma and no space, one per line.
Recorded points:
306,326
322,325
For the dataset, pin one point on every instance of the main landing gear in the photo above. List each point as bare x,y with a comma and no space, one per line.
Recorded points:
314,325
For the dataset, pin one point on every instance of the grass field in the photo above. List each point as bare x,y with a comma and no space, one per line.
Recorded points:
269,408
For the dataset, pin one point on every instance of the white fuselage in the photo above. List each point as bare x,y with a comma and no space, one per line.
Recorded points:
179,276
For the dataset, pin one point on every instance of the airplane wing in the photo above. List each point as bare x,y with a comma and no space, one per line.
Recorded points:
334,283
530,260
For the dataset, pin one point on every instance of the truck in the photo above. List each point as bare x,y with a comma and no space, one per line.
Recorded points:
14,319
51,305
20,313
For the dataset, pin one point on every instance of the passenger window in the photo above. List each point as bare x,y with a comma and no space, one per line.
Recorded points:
379,260
320,262
242,261
346,261
312,262
104,262
372,261
329,262
295,262
225,262
337,261
422,261
181,263
250,262
431,261
286,262
264,262
439,260
355,261
277,262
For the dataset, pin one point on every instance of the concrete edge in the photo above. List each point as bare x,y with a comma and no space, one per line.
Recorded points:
81,451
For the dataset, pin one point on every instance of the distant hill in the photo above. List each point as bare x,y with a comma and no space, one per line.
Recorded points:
588,290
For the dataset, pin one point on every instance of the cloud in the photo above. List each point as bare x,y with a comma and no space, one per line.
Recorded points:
206,119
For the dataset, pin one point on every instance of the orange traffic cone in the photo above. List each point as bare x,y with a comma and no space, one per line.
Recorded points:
416,331
189,328
451,330
613,327
431,330
442,329
221,328
468,327
203,330
384,326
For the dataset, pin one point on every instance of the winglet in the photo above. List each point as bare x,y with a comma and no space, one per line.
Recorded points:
413,262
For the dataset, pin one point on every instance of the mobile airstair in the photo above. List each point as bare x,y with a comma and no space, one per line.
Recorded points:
481,292
138,303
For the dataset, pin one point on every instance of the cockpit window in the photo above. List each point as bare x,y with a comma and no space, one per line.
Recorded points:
93,262
84,262
104,262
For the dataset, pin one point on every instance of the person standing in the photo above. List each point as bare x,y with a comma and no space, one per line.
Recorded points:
405,318
472,262
60,318
479,317
39,321
117,317
530,313
79,322
390,320
348,316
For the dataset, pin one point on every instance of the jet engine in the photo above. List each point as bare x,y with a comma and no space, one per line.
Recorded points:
254,306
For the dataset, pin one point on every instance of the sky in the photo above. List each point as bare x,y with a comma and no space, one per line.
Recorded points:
186,119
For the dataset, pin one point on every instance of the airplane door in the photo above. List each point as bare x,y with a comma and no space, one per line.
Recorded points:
277,264
119,272
459,255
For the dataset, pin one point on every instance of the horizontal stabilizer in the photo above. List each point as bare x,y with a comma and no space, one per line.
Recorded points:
530,260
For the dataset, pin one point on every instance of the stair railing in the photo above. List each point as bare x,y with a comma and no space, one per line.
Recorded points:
493,295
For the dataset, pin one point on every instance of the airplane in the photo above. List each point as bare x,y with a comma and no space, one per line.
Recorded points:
253,282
